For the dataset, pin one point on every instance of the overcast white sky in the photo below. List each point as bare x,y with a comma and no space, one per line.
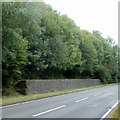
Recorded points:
91,15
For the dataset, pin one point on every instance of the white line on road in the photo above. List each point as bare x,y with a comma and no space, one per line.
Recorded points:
108,112
49,111
21,103
97,94
10,105
106,94
14,104
81,99
17,104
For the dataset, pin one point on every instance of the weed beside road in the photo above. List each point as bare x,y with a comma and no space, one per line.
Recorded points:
7,100
116,113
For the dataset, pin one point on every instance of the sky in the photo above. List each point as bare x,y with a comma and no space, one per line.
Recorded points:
91,15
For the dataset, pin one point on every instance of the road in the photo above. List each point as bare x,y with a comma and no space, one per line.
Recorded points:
92,103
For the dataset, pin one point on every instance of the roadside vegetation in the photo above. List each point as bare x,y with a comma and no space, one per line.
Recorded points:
40,43
18,98
116,113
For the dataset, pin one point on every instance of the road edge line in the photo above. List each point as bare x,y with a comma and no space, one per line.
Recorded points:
108,112
32,100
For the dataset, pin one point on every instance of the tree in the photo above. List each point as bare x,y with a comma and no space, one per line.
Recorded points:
38,42
14,55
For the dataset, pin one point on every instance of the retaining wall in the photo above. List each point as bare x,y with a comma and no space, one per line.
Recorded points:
44,86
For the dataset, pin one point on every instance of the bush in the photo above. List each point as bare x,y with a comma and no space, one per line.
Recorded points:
103,74
8,92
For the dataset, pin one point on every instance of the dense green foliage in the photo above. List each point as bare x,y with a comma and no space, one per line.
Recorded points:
38,42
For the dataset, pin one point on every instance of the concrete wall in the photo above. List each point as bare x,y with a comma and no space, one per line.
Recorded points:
44,86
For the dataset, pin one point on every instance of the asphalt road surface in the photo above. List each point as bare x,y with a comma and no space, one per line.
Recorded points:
92,103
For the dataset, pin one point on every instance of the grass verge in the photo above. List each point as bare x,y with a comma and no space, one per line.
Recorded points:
116,113
7,100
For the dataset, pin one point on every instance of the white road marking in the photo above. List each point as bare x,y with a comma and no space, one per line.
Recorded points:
95,105
104,95
108,112
24,102
97,94
49,111
10,105
37,100
17,104
81,99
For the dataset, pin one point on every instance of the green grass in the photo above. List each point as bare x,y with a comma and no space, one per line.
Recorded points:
116,114
7,100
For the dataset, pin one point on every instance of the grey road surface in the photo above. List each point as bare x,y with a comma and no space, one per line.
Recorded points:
92,103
